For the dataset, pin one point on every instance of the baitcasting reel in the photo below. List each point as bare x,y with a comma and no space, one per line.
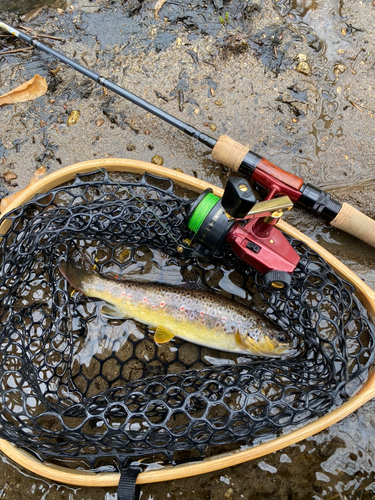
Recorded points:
249,228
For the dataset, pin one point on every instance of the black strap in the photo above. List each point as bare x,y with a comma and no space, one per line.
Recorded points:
127,489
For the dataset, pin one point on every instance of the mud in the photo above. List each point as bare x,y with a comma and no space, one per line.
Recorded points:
236,71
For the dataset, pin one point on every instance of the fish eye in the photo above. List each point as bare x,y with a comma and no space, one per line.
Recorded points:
281,337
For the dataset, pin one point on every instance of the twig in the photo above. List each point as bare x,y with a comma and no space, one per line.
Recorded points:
158,6
52,38
26,49
355,105
354,58
37,35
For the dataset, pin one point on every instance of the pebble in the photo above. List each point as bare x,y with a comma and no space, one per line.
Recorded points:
212,127
73,117
10,176
130,147
284,459
269,468
304,68
158,160
219,102
339,68
99,122
229,493
196,111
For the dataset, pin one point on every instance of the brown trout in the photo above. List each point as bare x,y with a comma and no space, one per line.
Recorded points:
193,315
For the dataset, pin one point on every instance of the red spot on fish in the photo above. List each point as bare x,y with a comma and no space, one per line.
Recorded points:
144,299
110,290
223,320
116,277
182,308
129,296
202,313
162,304
123,294
152,307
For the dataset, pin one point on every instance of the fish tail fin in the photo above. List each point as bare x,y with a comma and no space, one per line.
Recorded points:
78,273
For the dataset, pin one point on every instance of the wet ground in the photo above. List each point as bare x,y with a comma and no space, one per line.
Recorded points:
233,74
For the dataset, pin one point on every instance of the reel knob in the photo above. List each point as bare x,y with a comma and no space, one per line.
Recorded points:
238,198
277,280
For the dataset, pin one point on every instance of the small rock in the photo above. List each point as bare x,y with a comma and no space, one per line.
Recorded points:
177,169
219,102
10,176
60,11
130,147
158,160
304,68
229,493
212,127
212,92
99,122
196,111
339,68
302,57
73,117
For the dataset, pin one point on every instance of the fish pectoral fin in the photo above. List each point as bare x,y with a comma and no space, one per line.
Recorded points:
239,340
111,312
163,335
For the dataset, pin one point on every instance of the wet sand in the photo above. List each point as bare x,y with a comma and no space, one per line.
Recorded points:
237,74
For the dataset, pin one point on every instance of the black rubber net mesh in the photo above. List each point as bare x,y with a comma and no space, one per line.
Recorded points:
77,387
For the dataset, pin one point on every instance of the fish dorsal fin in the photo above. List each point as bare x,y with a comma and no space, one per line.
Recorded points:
163,335
111,312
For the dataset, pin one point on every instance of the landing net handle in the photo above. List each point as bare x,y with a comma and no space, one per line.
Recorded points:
167,473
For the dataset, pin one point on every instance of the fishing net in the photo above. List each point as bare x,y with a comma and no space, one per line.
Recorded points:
77,387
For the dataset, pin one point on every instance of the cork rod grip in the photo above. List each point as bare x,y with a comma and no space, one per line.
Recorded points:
354,222
229,152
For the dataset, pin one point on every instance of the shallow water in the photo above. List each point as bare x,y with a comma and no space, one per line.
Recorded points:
320,127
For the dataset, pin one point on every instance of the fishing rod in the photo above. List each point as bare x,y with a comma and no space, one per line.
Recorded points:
239,158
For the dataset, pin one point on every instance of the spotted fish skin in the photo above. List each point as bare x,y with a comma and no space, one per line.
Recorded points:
193,315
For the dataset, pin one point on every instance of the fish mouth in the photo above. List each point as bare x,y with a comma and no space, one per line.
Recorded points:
264,346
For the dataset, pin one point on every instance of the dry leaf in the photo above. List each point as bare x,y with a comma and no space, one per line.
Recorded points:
34,88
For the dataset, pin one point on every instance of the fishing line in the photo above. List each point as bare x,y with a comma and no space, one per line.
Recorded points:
72,148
